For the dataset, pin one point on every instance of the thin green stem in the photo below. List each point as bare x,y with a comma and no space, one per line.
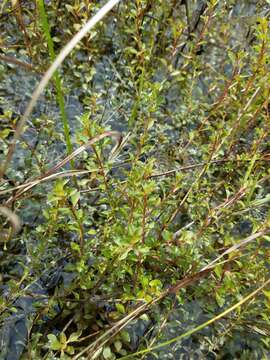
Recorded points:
57,79
202,326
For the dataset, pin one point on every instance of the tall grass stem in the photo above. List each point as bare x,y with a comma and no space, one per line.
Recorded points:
57,80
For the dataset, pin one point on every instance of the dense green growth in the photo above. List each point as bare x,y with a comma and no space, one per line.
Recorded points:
127,248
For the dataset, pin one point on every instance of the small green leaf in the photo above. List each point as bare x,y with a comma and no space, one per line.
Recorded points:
54,343
59,188
74,336
70,350
125,336
120,308
155,283
63,338
74,246
144,317
92,232
220,300
266,293
107,354
144,281
117,345
75,198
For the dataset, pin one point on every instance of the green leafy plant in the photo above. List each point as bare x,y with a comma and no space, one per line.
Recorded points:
164,234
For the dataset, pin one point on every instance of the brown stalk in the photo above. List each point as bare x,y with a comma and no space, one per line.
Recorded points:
102,170
121,324
172,289
187,281
19,17
61,174
13,60
194,166
139,262
218,209
237,246
196,16
74,214
14,8
258,68
217,104
114,134
251,121
196,181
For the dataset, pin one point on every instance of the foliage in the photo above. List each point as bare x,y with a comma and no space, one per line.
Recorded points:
132,247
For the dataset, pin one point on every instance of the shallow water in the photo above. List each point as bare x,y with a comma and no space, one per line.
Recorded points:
15,90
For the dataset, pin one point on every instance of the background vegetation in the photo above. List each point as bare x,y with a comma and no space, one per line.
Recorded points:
157,248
